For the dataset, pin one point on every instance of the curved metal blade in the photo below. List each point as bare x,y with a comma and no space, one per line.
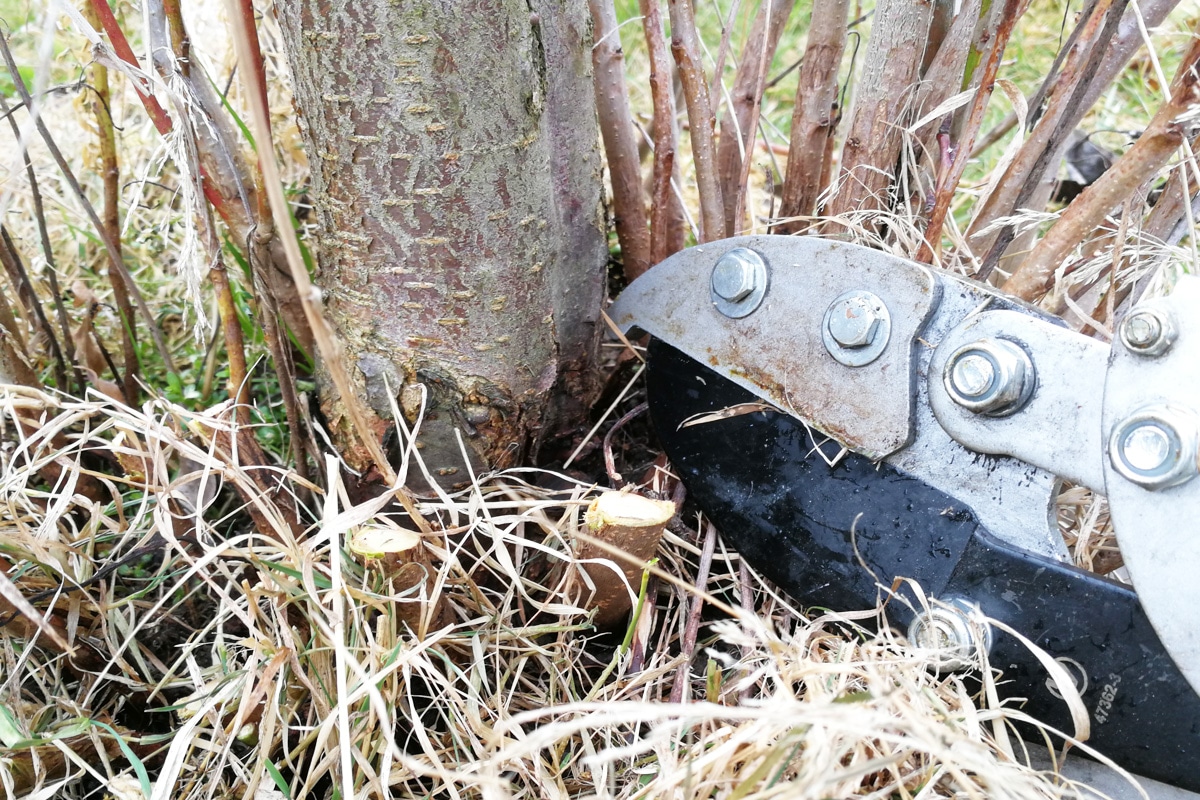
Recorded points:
777,352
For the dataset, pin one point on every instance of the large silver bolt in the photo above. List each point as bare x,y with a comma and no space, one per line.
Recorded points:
854,320
974,375
955,630
856,328
738,282
1148,330
991,376
733,277
1156,446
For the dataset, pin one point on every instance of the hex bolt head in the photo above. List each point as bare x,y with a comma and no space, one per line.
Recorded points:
733,277
738,282
856,328
854,321
973,374
992,377
956,630
1156,446
1148,330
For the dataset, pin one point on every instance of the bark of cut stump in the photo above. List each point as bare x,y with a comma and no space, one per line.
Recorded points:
398,556
632,524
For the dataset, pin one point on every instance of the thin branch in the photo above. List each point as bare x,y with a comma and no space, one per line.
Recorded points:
692,630
665,208
610,463
1167,222
1150,153
50,273
620,139
10,258
110,173
994,135
739,125
685,46
814,115
120,45
1051,78
110,247
723,50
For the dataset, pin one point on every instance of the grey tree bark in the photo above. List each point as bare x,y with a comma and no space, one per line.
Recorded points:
457,177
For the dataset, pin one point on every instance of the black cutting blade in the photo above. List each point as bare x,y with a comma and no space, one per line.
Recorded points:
831,536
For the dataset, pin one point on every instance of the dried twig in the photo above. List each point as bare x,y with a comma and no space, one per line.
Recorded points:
814,116
19,278
995,134
714,88
685,46
50,273
610,464
692,630
1150,153
620,139
1167,222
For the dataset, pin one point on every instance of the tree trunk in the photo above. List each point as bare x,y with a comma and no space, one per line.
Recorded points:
456,174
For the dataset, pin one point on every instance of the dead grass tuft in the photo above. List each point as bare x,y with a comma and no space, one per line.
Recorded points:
215,660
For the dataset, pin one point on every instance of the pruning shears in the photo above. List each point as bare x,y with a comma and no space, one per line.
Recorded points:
868,419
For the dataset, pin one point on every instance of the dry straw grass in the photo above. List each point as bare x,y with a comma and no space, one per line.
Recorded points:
216,658
287,662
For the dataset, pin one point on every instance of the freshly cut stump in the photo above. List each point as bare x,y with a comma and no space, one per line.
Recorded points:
634,525
397,554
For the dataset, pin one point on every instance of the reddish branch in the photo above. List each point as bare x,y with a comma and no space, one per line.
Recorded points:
948,180
691,631
1153,149
685,46
120,46
814,115
620,141
739,126
665,237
